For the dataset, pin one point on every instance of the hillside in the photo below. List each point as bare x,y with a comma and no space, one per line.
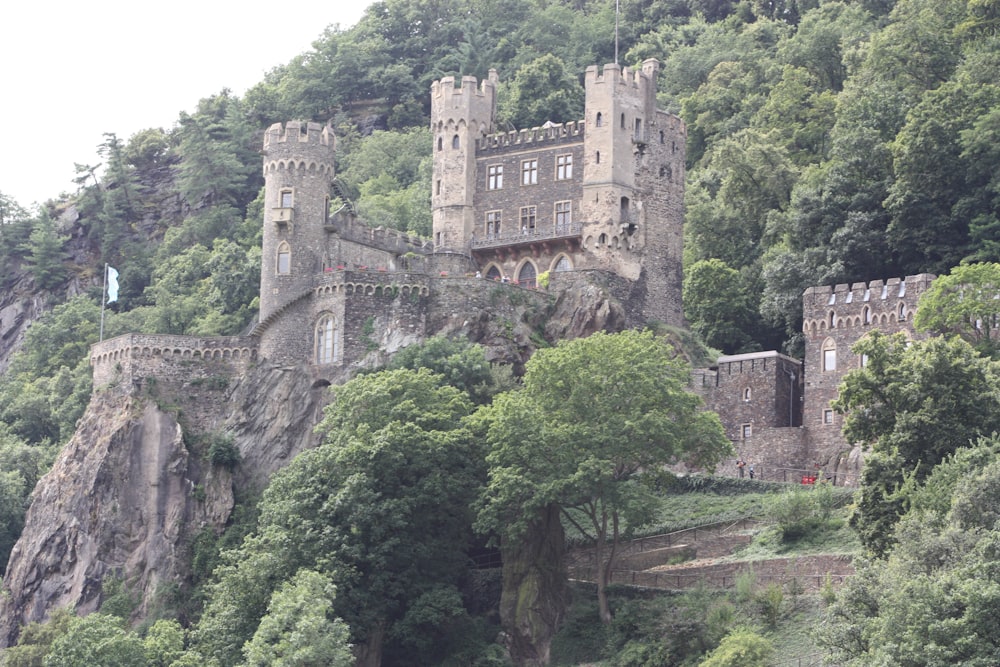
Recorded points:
826,143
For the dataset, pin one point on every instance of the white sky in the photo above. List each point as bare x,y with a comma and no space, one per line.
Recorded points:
71,70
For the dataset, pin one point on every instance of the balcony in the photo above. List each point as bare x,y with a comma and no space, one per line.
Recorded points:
537,235
282,216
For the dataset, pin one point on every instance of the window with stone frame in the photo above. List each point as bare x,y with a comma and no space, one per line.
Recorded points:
827,416
746,430
492,224
528,214
494,177
564,167
284,259
529,172
527,275
326,339
285,198
563,215
829,355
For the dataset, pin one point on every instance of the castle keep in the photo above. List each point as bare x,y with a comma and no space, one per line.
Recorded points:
594,203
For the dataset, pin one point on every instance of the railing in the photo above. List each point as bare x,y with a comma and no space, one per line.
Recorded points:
571,230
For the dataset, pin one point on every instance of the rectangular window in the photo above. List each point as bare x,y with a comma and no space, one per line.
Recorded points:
746,430
828,416
564,167
830,359
529,172
563,216
286,199
527,219
492,224
494,177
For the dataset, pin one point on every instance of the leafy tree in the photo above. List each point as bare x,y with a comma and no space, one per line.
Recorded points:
36,640
96,639
382,508
541,91
717,306
462,364
595,418
912,405
963,303
297,630
164,643
935,599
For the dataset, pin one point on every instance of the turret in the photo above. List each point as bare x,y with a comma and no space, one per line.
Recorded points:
298,172
460,115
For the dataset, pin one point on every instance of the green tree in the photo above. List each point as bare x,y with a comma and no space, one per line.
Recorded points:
717,306
462,364
96,639
741,648
297,630
963,303
541,91
45,253
382,508
163,643
595,418
36,640
913,404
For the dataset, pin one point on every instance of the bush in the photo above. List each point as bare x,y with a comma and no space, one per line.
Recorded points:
223,452
741,648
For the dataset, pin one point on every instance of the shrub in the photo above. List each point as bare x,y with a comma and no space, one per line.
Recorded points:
223,452
741,648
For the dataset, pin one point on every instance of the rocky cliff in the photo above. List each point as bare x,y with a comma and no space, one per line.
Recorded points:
134,485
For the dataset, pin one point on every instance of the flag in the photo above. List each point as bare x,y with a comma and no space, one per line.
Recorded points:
112,284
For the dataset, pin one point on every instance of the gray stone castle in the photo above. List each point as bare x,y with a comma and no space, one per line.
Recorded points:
592,203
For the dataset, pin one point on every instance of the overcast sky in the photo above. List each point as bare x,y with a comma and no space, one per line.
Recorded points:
74,70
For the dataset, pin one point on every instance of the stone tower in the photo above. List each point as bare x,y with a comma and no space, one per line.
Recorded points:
459,117
298,172
633,185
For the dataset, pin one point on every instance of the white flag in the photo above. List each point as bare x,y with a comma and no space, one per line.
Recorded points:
112,284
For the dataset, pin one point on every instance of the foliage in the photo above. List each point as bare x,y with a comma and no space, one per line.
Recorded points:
381,509
297,630
462,364
912,405
717,305
542,90
552,443
222,451
741,648
963,303
934,599
800,510
96,639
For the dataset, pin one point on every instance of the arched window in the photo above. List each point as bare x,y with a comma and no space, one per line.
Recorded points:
454,141
598,157
829,355
866,315
493,273
902,312
440,143
746,394
662,139
623,121
284,265
562,264
326,340
600,119
526,276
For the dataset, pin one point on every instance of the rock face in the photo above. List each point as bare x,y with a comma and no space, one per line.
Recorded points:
120,500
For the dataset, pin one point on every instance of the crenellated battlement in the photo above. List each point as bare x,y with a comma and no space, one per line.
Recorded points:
132,356
445,88
300,133
350,228
615,74
877,302
520,139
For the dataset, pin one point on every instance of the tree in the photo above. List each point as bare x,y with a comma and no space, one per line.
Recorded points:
935,599
297,630
717,305
382,509
964,303
96,639
461,363
596,417
741,648
45,254
541,91
913,404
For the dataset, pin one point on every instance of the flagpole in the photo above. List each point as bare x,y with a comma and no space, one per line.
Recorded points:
616,30
104,299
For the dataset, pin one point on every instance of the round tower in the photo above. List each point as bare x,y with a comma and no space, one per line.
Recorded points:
460,115
298,172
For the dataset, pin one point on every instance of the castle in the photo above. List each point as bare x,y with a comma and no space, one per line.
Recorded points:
596,201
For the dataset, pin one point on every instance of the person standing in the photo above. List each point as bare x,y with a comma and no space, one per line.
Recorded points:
740,464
